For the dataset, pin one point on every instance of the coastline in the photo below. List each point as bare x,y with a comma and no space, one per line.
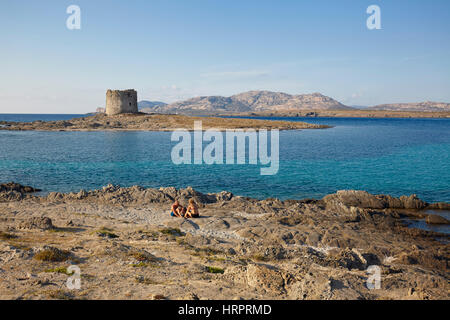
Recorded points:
152,122
359,113
220,122
250,249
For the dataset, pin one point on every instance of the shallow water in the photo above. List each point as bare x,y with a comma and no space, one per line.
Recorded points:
421,224
389,156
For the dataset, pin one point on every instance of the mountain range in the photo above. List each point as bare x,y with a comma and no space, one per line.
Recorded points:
148,106
263,101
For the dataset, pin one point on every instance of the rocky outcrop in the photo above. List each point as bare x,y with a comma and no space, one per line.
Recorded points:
435,219
39,223
12,186
363,199
259,276
12,191
117,195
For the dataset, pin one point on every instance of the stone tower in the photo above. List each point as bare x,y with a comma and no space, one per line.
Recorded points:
121,101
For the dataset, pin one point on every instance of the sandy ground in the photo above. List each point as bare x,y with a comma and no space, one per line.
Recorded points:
128,247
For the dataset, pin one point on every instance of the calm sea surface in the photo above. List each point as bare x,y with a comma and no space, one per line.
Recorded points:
389,156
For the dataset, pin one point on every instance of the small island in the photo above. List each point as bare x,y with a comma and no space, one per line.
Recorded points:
122,114
152,122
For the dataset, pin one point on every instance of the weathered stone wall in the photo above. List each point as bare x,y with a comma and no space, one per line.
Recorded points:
121,101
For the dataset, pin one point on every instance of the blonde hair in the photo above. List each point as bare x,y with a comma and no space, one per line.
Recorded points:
192,201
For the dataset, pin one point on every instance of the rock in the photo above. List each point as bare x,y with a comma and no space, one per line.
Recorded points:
110,188
275,253
436,219
349,258
363,199
170,191
197,240
41,223
6,196
354,198
12,186
412,202
55,196
310,287
313,239
82,194
259,276
439,205
224,196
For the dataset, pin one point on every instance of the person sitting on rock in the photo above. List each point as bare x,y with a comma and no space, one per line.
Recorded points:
192,210
177,210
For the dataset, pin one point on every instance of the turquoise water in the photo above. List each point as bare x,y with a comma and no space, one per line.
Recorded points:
421,223
389,156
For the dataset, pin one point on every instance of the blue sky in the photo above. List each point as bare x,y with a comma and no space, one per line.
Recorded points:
172,50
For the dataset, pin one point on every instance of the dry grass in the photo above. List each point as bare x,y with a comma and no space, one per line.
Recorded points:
260,258
7,236
214,270
62,270
106,233
52,255
147,281
142,256
143,264
172,232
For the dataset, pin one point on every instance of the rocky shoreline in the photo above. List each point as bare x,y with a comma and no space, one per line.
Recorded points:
127,246
152,122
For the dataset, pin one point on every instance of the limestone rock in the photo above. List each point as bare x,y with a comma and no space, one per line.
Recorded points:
363,199
41,223
259,276
436,219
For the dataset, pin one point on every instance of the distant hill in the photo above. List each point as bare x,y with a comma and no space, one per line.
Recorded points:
427,106
276,102
148,106
253,101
